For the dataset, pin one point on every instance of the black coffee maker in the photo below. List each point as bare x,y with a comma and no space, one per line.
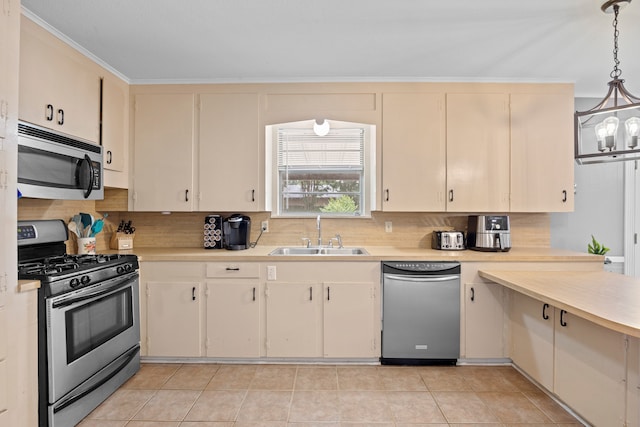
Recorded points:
236,231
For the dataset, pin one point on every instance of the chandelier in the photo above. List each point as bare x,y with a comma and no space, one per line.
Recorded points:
609,131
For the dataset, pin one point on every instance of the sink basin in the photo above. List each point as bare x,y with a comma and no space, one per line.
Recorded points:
315,251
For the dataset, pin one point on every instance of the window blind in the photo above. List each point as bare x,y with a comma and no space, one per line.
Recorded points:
302,149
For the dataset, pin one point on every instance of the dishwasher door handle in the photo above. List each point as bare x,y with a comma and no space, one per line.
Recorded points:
424,279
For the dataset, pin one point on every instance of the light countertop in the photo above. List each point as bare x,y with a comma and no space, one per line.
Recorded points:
610,300
376,253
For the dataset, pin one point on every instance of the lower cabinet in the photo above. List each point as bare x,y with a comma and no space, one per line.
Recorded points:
589,366
348,322
227,310
532,340
233,319
174,326
484,321
293,317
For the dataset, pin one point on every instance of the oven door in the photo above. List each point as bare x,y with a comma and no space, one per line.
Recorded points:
88,329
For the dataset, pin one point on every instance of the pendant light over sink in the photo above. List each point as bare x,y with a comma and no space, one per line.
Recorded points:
609,131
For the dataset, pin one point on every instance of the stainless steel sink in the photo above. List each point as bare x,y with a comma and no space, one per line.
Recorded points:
315,251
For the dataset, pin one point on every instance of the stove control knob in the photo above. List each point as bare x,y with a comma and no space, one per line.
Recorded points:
128,267
120,269
75,282
85,279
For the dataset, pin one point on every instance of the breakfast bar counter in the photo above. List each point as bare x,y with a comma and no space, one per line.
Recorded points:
608,299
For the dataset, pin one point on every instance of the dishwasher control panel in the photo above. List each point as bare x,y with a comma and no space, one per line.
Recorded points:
421,267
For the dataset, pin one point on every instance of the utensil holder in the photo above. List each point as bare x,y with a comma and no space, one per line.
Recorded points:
121,241
86,245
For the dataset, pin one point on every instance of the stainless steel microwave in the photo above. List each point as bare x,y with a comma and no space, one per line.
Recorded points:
54,165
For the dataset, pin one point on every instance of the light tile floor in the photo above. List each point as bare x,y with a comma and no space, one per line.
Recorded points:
211,395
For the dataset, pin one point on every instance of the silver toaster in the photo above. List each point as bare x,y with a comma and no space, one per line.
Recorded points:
447,240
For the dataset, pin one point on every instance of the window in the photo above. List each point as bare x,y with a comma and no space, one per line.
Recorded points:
311,173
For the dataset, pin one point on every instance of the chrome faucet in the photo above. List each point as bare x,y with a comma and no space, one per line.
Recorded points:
319,227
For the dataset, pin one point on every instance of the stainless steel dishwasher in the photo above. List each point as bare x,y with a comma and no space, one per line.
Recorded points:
420,312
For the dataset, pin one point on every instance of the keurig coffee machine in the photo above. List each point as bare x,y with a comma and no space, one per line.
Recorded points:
236,231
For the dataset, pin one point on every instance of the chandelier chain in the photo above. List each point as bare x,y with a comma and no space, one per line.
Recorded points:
616,71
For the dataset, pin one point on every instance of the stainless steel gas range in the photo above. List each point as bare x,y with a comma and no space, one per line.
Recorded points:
88,322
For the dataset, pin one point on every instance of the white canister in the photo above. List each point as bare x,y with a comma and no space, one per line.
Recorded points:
86,245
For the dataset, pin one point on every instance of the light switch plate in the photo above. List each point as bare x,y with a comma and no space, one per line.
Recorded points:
271,272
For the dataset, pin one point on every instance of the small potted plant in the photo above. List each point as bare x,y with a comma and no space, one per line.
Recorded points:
597,248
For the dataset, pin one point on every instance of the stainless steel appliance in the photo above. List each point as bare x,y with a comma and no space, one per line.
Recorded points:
88,322
490,233
53,165
420,312
447,240
236,231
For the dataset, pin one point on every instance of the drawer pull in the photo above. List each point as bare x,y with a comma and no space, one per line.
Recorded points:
545,316
233,268
564,196
254,293
310,293
473,294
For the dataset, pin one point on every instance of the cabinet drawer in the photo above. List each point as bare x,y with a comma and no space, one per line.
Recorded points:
233,269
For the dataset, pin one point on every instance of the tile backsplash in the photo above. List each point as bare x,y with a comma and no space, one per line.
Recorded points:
180,229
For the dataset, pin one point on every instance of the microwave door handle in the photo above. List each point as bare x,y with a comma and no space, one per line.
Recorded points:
90,187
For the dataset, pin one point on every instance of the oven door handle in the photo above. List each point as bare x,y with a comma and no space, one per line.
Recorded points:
94,295
85,389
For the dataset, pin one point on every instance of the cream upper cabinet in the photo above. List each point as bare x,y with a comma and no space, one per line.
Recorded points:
542,152
162,174
174,320
115,136
477,152
229,152
413,152
58,86
5,49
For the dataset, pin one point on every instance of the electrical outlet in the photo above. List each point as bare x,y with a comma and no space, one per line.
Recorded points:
265,226
271,272
388,226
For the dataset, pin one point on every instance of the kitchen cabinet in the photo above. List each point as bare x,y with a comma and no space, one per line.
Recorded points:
174,319
293,319
484,321
229,152
590,368
413,152
163,152
115,123
478,160
542,152
532,338
58,86
633,383
348,320
233,310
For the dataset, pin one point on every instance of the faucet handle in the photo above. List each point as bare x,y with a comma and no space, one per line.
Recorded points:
339,239
304,239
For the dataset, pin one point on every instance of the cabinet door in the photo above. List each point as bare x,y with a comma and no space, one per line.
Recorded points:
414,150
541,152
6,50
229,152
233,319
590,369
349,329
532,338
484,320
477,152
114,123
58,87
163,152
293,320
174,327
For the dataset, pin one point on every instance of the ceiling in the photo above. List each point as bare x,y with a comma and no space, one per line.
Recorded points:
213,41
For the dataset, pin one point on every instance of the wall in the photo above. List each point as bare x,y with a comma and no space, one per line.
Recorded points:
599,205
154,229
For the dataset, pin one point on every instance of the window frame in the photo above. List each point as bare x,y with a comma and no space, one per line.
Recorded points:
367,184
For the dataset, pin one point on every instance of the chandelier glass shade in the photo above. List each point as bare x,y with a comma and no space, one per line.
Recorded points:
609,131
